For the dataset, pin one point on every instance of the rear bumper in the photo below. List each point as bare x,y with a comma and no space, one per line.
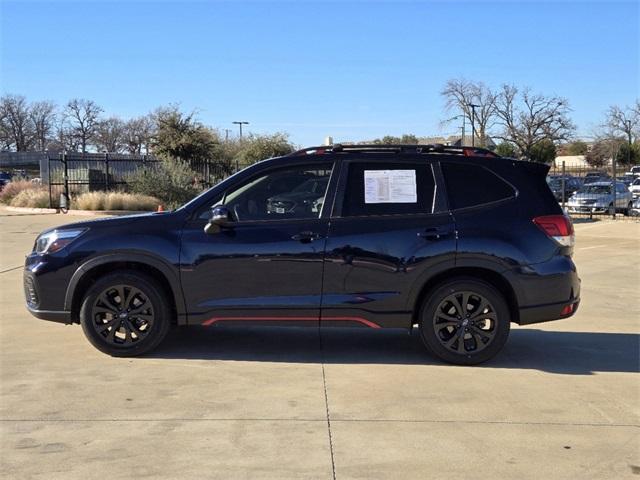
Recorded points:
545,291
547,313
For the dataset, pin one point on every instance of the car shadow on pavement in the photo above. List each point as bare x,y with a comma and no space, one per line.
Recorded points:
571,353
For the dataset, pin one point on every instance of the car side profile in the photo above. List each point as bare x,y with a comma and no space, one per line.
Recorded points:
456,241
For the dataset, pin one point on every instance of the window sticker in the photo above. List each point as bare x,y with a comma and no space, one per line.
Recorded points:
390,186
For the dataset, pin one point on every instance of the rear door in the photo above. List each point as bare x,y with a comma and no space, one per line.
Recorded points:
388,232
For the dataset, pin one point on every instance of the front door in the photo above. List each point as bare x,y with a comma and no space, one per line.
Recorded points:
266,266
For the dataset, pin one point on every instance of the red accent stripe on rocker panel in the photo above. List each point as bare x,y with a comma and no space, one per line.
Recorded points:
363,321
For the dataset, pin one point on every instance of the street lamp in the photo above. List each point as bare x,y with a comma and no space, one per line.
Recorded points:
628,122
473,122
240,125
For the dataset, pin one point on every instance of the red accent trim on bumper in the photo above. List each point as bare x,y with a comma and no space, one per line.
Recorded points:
363,321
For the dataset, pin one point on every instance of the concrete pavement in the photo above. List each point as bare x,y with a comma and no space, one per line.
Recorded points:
561,401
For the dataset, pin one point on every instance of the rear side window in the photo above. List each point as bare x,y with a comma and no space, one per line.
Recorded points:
388,189
470,185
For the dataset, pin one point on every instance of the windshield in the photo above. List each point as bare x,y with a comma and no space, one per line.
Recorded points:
596,189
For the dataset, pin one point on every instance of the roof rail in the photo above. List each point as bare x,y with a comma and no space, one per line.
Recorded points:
390,148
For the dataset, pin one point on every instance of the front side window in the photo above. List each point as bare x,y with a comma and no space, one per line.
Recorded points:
394,188
471,185
285,193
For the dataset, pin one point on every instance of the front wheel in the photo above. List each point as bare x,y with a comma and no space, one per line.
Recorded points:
464,321
125,314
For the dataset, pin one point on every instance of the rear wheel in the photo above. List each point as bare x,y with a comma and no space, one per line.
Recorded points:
464,321
125,314
627,211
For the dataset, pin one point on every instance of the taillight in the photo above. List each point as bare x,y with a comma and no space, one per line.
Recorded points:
558,227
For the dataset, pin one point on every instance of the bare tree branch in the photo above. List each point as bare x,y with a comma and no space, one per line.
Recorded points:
528,119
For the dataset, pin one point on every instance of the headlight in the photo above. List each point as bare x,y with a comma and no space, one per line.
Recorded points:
55,240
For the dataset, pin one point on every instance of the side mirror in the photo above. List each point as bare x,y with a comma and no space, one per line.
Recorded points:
220,218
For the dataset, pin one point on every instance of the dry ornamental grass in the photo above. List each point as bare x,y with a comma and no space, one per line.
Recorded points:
114,201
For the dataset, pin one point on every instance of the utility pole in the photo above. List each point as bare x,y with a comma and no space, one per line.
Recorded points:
240,125
473,123
226,134
628,122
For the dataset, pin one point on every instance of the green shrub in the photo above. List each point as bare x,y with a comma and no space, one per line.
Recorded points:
14,187
32,198
172,181
115,201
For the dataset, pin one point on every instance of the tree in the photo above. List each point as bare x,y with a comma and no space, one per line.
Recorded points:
506,149
42,116
625,122
527,119
405,139
603,150
15,127
543,151
576,148
259,147
110,135
461,94
628,154
181,136
83,117
138,133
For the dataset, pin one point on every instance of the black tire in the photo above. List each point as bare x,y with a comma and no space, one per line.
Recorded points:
129,326
627,211
483,336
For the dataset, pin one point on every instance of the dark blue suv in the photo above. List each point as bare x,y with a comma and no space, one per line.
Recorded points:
457,241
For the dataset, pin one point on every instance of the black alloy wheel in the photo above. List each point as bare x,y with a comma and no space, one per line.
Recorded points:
465,321
125,314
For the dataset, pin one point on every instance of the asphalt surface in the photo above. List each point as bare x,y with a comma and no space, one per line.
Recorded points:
561,401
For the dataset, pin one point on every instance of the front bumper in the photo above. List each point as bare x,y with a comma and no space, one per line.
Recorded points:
51,315
587,208
45,281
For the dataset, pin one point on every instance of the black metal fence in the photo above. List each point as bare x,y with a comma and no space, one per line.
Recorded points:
76,173
71,174
587,191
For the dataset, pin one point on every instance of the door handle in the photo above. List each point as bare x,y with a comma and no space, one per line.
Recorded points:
306,237
435,233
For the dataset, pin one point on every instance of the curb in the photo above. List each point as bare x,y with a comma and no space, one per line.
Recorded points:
85,213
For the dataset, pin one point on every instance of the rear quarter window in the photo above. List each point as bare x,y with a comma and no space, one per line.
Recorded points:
471,185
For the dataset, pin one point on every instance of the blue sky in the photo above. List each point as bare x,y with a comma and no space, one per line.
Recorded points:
353,70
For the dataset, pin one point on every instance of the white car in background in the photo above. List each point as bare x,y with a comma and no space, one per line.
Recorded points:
634,188
635,171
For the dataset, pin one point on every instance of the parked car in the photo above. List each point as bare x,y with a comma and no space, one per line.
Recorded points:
598,197
5,177
634,188
594,177
635,171
571,185
635,208
455,242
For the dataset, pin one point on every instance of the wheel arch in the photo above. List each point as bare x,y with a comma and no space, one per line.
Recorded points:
88,272
490,276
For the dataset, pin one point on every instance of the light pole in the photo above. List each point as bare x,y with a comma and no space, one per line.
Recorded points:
628,122
464,118
473,123
240,125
